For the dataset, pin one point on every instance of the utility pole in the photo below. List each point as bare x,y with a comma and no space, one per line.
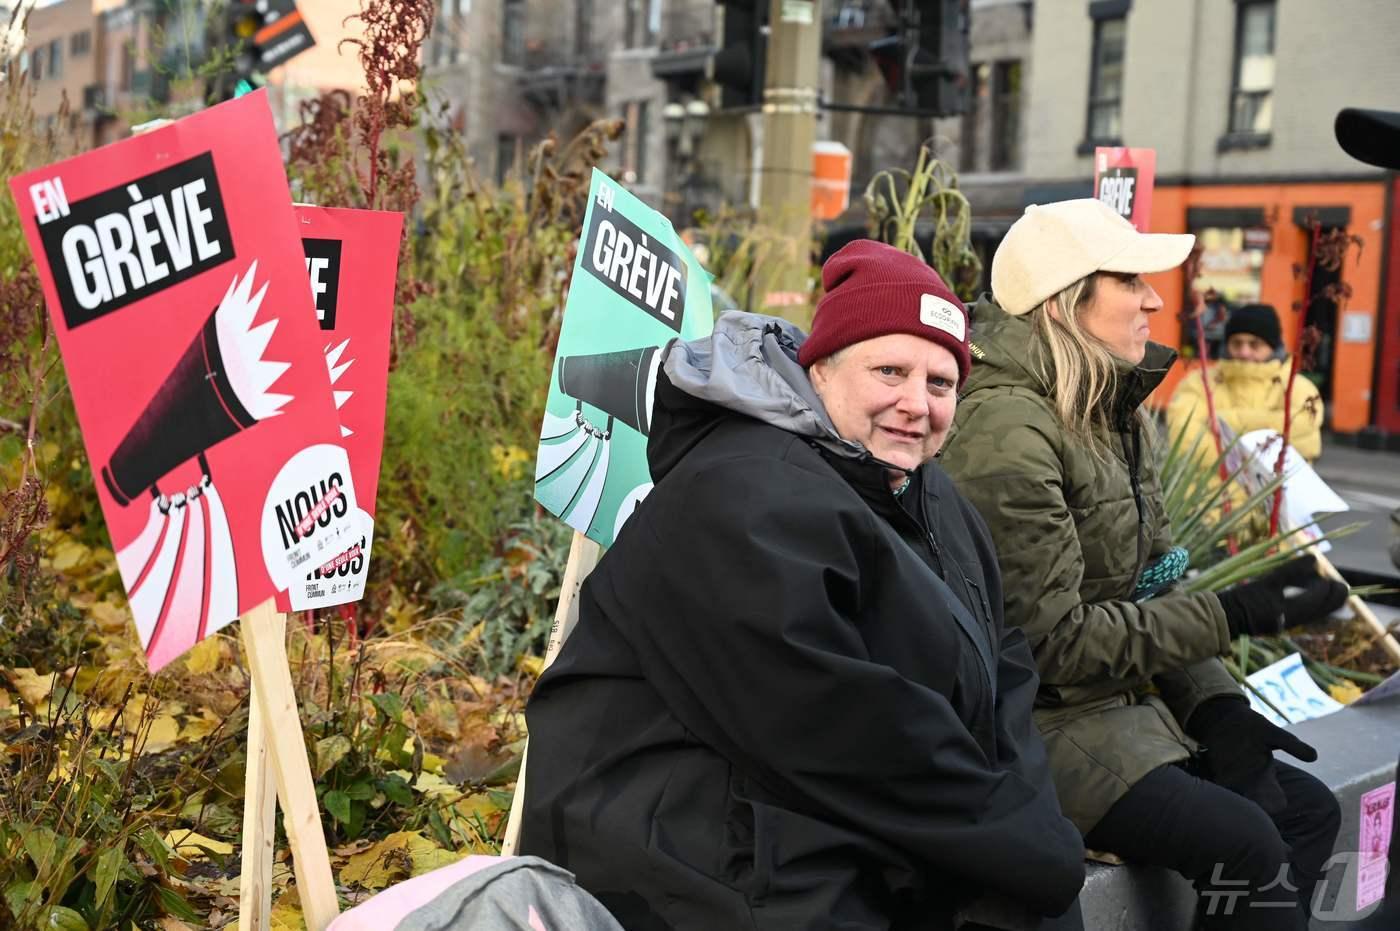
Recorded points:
789,130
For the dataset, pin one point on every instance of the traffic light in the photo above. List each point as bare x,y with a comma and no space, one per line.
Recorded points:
737,67
925,61
261,34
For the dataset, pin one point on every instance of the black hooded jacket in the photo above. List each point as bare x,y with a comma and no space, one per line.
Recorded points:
790,701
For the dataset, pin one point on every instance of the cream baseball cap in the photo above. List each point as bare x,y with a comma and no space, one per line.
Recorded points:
1054,245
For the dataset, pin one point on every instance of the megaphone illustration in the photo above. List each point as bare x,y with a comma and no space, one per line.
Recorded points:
217,388
180,572
620,384
572,467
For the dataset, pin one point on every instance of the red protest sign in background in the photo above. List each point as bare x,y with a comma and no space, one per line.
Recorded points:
1123,180
352,262
173,274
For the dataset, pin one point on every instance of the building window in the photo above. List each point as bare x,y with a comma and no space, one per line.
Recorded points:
1106,79
454,28
975,117
1229,275
128,72
1252,99
634,150
80,43
55,62
1006,116
513,32
641,23
36,63
583,26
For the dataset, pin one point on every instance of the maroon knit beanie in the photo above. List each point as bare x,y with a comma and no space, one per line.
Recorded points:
873,290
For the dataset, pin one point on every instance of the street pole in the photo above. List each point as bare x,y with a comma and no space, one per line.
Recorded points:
789,130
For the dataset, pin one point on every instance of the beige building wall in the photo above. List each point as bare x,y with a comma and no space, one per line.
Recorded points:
55,26
466,81
328,64
1178,75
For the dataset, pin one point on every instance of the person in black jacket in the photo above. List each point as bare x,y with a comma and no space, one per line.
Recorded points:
791,700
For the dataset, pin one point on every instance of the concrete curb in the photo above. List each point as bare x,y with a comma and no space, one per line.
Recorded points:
1357,752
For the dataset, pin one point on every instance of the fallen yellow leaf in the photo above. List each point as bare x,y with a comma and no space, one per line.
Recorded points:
531,665
191,846
165,730
425,860
33,688
286,916
196,729
432,785
380,865
1345,691
110,618
399,656
69,555
406,853
206,656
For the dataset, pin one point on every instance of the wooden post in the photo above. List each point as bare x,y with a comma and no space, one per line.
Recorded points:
259,820
1360,609
583,557
263,632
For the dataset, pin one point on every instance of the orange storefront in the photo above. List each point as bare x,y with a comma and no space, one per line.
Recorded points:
1255,234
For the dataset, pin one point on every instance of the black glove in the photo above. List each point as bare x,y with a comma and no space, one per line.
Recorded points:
1261,609
1239,749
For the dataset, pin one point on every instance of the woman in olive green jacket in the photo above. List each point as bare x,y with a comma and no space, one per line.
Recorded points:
1155,752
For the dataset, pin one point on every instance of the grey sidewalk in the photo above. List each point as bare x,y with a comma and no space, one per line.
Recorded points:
1370,483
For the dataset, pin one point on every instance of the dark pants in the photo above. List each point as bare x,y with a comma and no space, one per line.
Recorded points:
1251,870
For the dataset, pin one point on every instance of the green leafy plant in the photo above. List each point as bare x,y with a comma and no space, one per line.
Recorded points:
469,387
504,609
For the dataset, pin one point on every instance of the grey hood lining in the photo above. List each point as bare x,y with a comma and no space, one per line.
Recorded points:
748,365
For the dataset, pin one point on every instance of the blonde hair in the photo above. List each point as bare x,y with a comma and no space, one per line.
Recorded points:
1077,371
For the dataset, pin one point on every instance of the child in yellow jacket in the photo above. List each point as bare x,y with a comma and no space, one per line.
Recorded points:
1248,387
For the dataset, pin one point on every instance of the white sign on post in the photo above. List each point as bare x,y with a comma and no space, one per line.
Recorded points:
1305,494
1289,688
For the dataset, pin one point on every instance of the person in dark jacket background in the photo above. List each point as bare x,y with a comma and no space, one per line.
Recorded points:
791,700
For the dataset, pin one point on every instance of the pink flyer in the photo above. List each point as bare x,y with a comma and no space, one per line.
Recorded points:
1377,813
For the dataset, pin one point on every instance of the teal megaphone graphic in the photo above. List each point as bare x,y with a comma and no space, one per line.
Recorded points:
572,468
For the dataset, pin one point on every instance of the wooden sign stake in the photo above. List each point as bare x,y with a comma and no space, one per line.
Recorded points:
274,712
259,820
583,557
1358,607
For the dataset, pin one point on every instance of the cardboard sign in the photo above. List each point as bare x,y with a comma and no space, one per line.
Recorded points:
173,274
635,287
1305,494
1376,817
352,263
1123,180
1289,688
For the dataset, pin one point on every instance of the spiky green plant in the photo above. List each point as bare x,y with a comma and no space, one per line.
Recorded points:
1194,499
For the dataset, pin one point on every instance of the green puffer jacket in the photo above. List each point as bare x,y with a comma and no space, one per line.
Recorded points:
1073,532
